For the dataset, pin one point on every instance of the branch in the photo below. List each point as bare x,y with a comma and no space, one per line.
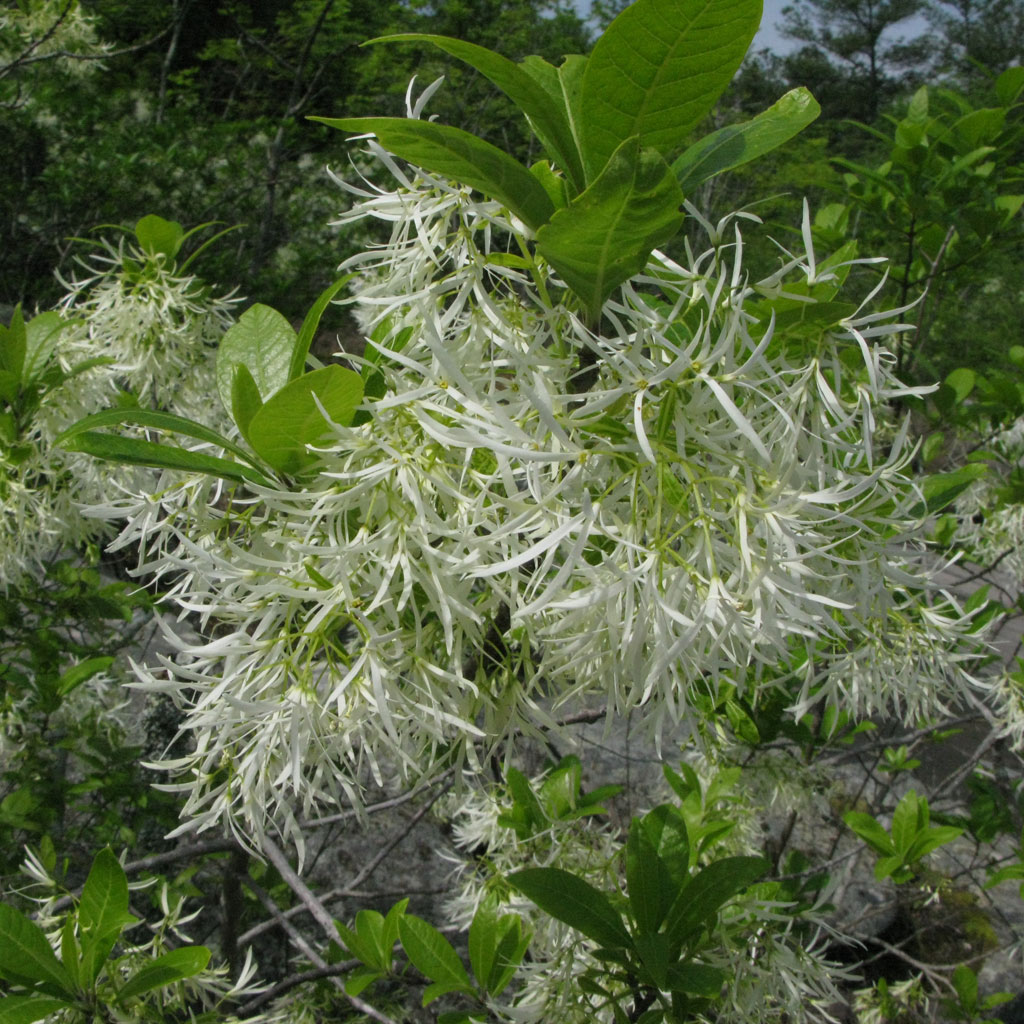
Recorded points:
405,831
299,887
384,805
304,947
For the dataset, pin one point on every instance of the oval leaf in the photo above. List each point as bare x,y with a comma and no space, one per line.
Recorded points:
605,236
433,956
573,901
295,416
548,120
737,144
177,965
263,341
159,237
27,958
651,890
658,69
102,912
26,1009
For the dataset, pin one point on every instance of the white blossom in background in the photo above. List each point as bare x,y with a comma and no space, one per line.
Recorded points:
159,326
518,531
157,329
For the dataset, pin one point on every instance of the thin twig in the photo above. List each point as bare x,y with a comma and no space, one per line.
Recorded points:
293,981
307,950
402,834
384,805
299,887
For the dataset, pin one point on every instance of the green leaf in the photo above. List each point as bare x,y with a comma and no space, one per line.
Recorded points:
605,236
707,892
563,86
102,913
133,452
962,382
311,323
737,144
870,831
389,933
13,346
41,335
657,71
941,489
931,840
573,901
525,799
361,978
548,120
965,981
158,421
245,399
508,954
27,957
459,155
294,417
26,1009
78,674
697,979
1009,85
666,827
159,237
263,341
653,950
650,886
167,969
483,939
70,952
560,790
905,823
433,956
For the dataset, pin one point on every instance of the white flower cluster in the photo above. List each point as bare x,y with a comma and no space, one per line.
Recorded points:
542,514
159,326
157,330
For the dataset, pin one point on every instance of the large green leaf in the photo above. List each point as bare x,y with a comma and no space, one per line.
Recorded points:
573,901
166,969
563,86
41,335
134,452
433,956
263,341
737,144
245,399
26,1009
666,827
84,670
707,892
12,346
151,418
295,417
26,957
605,236
548,120
102,912
159,237
657,71
459,155
651,890
311,323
